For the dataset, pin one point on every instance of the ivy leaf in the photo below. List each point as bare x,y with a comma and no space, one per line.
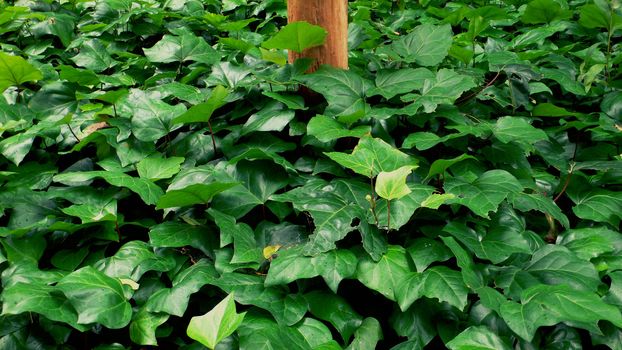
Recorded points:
597,204
178,235
425,251
217,324
368,334
343,89
485,193
186,47
327,129
14,71
159,168
438,282
45,300
94,56
371,156
477,337
445,88
441,165
546,305
322,305
297,36
174,300
526,202
144,325
202,112
426,45
147,190
590,242
151,118
193,194
385,275
245,249
97,298
273,117
514,129
392,184
392,83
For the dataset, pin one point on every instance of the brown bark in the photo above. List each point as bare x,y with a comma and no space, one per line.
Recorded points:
332,15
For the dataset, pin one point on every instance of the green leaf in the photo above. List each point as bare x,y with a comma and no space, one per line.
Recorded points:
425,251
371,156
132,260
193,194
183,48
202,112
97,298
245,249
343,89
594,16
273,117
144,325
327,129
173,234
485,193
147,190
159,168
315,332
217,324
444,89
297,36
527,202
14,71
323,305
544,11
597,204
368,334
392,184
262,333
435,200
514,129
392,83
438,282
386,275
151,117
478,337
290,265
41,299
590,242
94,56
441,165
551,110
426,45
545,305
174,301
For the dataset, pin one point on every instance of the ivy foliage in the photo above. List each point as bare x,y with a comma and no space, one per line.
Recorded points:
163,183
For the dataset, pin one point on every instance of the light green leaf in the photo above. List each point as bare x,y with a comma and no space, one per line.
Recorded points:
343,89
485,193
595,16
435,200
94,56
154,169
297,36
327,129
438,282
97,298
478,337
147,190
202,112
392,184
371,156
426,45
217,324
193,194
186,47
14,71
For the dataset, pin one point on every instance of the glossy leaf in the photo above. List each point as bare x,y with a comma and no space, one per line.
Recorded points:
186,47
297,36
478,337
193,194
328,129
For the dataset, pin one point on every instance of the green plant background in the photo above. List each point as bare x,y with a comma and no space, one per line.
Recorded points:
156,159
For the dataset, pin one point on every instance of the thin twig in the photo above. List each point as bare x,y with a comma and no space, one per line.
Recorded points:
570,171
212,134
73,133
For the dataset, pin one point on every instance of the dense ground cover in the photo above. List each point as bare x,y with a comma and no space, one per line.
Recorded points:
459,186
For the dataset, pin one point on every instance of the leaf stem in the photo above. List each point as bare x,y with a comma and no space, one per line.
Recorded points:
570,171
212,134
388,215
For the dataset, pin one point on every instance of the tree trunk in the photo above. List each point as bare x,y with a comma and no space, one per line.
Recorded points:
332,15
